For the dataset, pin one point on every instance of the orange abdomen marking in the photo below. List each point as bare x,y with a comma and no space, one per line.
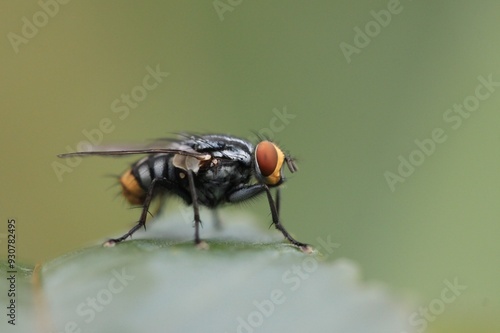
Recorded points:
131,189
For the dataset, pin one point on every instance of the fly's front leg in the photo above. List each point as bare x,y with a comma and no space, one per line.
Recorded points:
144,214
277,223
247,192
277,200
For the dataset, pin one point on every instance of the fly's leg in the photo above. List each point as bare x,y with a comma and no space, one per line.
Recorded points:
197,221
276,220
161,203
216,217
277,200
246,192
142,219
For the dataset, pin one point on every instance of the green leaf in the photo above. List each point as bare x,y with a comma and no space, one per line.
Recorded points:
167,285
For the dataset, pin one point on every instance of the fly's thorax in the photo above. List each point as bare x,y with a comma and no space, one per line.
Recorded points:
214,182
187,162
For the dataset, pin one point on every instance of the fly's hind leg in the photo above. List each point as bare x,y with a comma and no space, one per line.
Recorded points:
144,214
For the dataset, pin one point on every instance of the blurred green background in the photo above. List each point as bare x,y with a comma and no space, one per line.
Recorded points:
232,66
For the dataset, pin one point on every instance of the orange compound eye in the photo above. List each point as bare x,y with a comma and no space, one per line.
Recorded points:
267,158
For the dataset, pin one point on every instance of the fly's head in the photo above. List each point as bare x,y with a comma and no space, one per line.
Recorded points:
269,163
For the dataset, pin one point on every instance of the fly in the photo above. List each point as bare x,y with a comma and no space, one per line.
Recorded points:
209,170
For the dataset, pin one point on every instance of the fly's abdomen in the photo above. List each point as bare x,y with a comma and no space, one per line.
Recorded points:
131,189
136,181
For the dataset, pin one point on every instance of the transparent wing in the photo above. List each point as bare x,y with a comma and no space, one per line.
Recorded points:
103,151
